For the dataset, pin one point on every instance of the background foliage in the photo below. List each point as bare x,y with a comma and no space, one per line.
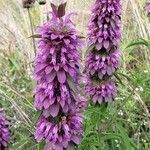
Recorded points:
123,124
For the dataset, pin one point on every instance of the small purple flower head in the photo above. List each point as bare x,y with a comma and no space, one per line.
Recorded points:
101,92
4,133
81,104
61,131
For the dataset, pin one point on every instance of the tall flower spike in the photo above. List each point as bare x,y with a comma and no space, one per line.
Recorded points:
4,133
104,57
57,91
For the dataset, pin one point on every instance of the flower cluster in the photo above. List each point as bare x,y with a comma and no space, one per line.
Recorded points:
103,92
104,57
57,75
59,132
101,65
4,133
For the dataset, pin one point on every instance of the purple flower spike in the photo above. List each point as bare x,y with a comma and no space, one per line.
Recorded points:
103,59
104,27
56,63
4,133
59,133
57,91
101,92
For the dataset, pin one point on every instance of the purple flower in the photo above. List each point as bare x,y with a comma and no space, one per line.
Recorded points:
61,131
102,65
57,65
4,133
54,96
57,91
104,27
104,57
101,92
147,7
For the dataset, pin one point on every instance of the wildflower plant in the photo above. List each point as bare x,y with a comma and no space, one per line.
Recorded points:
103,58
57,74
4,132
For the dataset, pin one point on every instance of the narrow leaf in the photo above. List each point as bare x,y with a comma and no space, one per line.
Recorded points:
90,49
142,42
35,36
41,145
72,85
36,116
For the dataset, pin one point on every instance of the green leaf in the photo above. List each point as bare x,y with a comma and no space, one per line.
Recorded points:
20,145
128,143
108,136
81,37
35,36
14,63
136,43
41,145
36,116
124,75
118,78
91,47
72,85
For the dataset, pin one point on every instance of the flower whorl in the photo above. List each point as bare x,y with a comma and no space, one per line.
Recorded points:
104,57
57,75
4,133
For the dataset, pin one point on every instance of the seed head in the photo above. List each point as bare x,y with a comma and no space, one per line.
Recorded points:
28,3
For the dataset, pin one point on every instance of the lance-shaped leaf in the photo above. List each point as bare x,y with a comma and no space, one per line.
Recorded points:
41,145
36,117
91,47
72,85
59,10
35,36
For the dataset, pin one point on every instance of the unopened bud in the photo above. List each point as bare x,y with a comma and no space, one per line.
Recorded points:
42,2
28,3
